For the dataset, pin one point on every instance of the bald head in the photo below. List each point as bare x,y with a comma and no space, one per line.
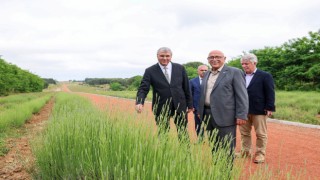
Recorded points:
216,52
216,59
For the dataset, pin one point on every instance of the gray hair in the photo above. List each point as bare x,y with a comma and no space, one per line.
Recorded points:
164,49
249,57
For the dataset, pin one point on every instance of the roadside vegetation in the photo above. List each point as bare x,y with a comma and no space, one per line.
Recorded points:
75,87
298,106
15,110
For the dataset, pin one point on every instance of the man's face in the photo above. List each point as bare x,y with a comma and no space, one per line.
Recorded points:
248,66
164,57
216,59
202,70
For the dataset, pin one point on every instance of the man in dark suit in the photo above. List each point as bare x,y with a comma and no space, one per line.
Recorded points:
224,100
171,95
195,92
260,87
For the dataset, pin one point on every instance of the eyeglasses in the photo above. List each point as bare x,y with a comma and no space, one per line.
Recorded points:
214,57
203,70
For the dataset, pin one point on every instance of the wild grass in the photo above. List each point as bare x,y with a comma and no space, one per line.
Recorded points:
82,142
53,88
97,90
15,110
298,106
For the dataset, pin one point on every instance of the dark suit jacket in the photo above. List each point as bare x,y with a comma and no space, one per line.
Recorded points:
261,93
177,91
228,98
195,92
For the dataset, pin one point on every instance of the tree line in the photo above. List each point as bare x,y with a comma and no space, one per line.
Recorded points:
132,84
16,80
295,65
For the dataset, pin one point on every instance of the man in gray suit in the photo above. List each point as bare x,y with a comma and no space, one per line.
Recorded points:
224,99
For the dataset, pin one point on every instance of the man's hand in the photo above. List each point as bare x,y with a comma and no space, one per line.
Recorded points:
139,108
190,110
269,113
241,121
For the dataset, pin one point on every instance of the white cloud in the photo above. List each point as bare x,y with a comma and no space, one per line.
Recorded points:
75,39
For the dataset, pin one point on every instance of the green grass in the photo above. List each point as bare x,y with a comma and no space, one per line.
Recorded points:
82,142
53,87
97,90
15,110
298,106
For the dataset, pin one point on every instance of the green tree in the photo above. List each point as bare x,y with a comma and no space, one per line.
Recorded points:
16,80
295,65
134,83
192,69
235,63
115,86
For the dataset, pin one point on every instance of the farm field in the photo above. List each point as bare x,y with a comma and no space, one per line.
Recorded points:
290,152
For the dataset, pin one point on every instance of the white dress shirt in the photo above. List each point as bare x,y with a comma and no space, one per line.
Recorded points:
169,69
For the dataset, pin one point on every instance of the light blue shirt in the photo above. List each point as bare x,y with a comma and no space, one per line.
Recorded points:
249,77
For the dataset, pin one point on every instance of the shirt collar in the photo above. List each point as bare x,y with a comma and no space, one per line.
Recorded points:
213,72
169,66
252,73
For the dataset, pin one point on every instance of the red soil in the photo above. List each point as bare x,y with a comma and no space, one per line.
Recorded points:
18,163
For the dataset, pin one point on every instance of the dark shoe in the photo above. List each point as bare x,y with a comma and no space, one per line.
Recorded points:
259,159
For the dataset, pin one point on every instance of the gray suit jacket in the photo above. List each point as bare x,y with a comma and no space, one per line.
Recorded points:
228,98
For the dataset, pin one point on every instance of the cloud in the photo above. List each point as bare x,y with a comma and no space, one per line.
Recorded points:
76,39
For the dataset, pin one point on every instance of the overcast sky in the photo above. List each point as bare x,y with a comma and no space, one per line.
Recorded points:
76,39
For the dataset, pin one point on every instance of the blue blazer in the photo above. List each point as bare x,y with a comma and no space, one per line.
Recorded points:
261,93
177,91
195,89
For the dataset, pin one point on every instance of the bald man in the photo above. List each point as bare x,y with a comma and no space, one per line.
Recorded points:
224,100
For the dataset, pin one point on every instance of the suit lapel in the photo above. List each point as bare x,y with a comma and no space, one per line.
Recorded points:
198,81
222,74
174,73
254,78
204,82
